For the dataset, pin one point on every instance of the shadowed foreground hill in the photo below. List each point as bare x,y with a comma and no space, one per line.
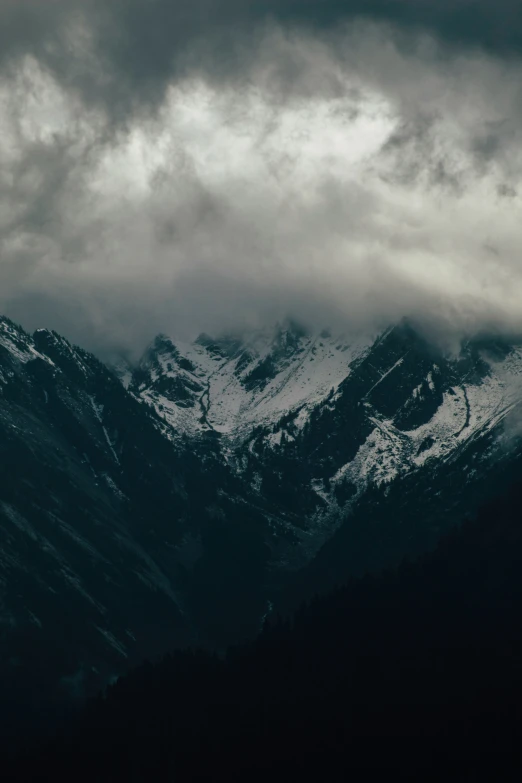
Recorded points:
417,672
113,538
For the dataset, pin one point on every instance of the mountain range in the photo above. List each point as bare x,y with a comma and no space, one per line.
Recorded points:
182,498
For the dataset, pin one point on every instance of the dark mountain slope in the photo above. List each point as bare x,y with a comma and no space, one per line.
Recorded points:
417,673
90,500
117,540
407,516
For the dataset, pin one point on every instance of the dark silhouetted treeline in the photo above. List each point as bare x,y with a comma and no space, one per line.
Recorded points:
415,674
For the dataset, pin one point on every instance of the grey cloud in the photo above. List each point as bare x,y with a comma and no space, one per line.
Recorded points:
189,251
412,150
506,191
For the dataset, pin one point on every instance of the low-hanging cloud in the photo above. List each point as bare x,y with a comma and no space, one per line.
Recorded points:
180,168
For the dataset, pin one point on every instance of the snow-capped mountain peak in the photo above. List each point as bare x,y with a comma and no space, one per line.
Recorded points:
230,384
337,413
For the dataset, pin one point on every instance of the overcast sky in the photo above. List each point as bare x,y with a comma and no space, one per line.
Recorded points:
178,167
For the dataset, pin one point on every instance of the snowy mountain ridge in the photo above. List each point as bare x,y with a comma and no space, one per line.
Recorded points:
229,385
240,387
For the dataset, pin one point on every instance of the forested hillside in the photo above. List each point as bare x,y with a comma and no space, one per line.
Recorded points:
417,671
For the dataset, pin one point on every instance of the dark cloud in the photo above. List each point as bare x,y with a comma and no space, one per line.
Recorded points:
123,54
495,26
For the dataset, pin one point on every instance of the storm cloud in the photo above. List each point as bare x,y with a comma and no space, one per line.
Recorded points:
178,167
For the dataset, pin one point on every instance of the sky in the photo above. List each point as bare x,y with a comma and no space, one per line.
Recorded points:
221,164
